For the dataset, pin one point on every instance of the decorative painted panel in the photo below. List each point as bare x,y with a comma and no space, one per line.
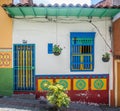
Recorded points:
65,82
85,88
5,59
98,84
80,84
42,82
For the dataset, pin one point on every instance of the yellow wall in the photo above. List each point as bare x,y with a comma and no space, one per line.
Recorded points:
5,27
6,71
5,2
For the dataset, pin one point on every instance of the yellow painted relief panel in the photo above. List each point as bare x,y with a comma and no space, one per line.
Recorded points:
42,82
5,59
65,82
80,84
99,84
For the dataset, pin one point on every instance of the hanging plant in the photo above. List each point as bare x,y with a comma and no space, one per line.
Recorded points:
106,57
57,50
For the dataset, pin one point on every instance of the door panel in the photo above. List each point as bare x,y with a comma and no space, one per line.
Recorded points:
118,83
24,66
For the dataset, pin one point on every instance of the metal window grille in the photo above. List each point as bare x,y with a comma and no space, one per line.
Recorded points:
82,51
24,66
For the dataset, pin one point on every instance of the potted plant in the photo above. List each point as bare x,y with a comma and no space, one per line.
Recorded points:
57,50
57,96
106,57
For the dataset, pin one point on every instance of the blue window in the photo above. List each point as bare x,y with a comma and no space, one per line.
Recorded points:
82,51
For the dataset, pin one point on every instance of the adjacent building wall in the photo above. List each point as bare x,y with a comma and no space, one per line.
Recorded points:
116,37
5,28
5,2
26,1
108,3
116,2
116,53
105,3
6,74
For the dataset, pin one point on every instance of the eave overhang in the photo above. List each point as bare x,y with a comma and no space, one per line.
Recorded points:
16,11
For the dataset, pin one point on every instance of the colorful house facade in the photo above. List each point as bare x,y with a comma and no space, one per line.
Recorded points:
84,34
6,69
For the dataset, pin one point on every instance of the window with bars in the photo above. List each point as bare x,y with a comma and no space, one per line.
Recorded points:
24,66
82,51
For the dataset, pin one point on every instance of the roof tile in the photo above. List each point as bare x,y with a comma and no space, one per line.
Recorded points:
57,5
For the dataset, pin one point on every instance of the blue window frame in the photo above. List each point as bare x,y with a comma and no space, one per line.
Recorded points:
82,51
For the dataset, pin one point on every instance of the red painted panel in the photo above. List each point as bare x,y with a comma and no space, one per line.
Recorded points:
87,96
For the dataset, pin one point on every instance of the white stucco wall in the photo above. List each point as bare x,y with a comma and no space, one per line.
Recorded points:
43,33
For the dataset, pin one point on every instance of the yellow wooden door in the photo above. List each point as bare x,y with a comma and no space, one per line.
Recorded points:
118,83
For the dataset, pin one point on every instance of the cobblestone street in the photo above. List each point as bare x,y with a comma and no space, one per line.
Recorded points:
19,104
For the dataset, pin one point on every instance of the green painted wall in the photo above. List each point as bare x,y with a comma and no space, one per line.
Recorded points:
6,81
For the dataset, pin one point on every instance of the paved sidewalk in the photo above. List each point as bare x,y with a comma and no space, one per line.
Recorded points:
19,104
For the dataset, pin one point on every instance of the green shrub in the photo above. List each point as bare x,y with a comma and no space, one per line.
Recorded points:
57,95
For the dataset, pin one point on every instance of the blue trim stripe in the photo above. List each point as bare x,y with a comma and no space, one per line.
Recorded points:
72,75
